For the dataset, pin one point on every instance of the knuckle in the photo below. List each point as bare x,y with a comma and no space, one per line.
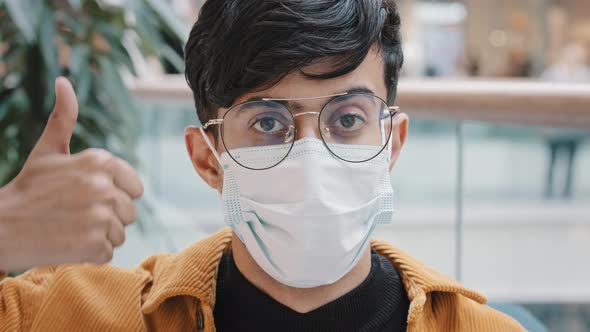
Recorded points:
80,180
128,212
99,184
100,213
119,239
95,158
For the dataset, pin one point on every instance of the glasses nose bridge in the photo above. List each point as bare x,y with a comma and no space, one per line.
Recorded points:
305,113
310,130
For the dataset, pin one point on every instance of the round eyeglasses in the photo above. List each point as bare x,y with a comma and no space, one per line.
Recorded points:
348,119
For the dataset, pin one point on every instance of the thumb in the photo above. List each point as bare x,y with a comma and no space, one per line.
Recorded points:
60,126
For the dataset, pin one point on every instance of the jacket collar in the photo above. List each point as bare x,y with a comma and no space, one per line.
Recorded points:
193,272
420,280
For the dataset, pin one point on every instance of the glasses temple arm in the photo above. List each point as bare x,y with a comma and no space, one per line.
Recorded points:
212,123
393,110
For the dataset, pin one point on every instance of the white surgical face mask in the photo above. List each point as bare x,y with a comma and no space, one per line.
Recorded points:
308,220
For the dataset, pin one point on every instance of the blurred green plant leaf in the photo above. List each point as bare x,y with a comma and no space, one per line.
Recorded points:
25,14
170,20
76,4
3,110
148,34
79,58
114,86
47,42
83,86
117,49
175,60
75,26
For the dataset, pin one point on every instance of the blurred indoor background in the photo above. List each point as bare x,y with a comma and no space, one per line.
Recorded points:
493,187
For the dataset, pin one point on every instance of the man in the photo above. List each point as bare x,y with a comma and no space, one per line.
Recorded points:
299,139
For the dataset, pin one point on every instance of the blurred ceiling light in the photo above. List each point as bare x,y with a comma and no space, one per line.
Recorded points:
440,13
498,38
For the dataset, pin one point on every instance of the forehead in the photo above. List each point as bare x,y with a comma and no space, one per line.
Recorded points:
370,74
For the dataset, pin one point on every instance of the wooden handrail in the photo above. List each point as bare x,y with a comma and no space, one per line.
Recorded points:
517,102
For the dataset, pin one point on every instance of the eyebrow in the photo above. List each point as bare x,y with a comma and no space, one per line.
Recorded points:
296,106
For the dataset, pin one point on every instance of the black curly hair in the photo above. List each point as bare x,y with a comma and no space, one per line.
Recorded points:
239,46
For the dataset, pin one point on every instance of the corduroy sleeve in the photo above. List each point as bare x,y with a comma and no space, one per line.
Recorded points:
455,312
22,297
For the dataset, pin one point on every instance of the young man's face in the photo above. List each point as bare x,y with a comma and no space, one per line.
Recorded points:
369,75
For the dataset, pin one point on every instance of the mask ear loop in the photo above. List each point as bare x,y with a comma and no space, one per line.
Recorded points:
389,141
390,144
208,141
211,147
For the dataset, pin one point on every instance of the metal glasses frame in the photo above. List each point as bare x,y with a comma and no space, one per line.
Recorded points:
393,111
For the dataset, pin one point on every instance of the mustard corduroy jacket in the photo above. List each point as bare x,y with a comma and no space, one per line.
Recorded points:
176,292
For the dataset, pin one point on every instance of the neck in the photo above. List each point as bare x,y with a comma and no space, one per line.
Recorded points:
301,300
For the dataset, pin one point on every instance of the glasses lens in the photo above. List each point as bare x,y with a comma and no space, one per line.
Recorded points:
361,120
255,127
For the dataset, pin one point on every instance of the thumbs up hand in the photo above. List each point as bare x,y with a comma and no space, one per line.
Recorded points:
64,208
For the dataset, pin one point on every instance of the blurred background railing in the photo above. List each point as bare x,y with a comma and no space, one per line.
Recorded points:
501,101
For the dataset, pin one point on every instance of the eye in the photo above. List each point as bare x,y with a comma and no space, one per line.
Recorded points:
268,124
349,121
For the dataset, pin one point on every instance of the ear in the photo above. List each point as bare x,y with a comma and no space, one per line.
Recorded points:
202,157
399,134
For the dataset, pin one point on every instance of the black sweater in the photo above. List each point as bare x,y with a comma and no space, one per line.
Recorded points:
379,303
